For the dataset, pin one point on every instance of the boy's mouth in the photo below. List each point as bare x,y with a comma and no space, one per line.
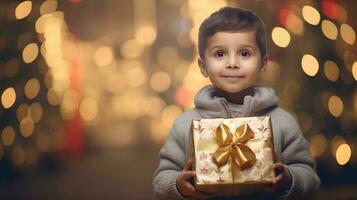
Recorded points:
231,76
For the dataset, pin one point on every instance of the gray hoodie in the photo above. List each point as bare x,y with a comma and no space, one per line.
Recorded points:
289,143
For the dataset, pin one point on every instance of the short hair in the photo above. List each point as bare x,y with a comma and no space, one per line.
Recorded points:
228,19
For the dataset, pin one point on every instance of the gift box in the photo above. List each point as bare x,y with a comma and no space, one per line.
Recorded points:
233,156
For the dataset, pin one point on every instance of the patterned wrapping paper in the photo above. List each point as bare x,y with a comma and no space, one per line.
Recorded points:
221,181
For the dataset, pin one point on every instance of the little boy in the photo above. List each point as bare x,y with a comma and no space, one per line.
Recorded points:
232,53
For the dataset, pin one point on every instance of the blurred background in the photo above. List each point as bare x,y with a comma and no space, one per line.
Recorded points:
90,88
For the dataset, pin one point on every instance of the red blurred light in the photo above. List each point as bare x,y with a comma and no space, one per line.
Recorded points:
329,8
283,15
74,1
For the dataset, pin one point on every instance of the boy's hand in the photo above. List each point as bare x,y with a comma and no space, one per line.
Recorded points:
184,185
281,180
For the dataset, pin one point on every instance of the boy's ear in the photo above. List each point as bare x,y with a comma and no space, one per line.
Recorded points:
202,65
264,64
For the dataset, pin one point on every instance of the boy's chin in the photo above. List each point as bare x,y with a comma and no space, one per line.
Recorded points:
230,90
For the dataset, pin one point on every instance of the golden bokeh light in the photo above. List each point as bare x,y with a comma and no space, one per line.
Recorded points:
294,24
167,56
88,109
103,56
8,135
53,98
35,112
26,126
32,88
136,76
354,70
335,106
169,114
22,111
311,15
160,81
335,143
343,154
280,36
348,34
331,70
23,9
318,145
309,65
30,53
145,35
131,49
329,29
8,97
48,7
18,156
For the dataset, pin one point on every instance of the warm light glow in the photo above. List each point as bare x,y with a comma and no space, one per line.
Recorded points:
35,111
348,34
88,109
30,53
145,35
335,106
8,97
343,154
354,70
136,76
294,24
280,36
160,81
318,145
336,142
311,15
23,9
131,49
309,65
32,88
52,97
8,135
167,56
329,29
103,56
331,70
48,7
26,127
169,114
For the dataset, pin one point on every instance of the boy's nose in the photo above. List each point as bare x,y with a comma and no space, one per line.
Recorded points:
233,63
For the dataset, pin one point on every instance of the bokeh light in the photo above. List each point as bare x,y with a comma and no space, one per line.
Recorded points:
280,36
335,106
311,15
8,97
343,154
23,9
329,29
309,65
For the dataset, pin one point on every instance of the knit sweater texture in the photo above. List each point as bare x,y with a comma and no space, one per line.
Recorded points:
290,145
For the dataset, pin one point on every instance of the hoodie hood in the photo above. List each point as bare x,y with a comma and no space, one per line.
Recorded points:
212,106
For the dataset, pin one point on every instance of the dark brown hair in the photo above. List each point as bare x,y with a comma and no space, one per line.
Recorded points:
230,19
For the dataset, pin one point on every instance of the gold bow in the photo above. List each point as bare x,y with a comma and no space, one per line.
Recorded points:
233,145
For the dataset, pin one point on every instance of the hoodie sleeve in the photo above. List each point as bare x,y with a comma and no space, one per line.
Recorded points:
296,155
172,161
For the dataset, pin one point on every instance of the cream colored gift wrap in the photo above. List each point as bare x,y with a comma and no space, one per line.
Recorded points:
233,156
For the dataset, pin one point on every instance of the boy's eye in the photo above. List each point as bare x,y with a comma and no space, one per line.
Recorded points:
219,54
244,53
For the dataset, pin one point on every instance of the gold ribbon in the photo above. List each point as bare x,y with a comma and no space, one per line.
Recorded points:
233,145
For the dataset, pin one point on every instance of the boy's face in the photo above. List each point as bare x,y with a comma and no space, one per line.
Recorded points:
232,60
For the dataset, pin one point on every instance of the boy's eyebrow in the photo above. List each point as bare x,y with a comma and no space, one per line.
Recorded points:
222,47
